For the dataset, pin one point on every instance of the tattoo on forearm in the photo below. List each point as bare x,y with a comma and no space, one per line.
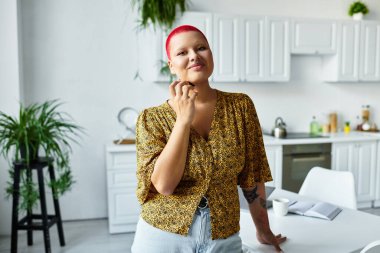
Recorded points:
250,195
263,203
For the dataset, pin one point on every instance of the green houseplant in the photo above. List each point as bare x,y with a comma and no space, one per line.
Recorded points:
161,12
357,10
38,127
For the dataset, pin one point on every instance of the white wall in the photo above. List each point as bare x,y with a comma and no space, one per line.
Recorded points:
85,52
9,92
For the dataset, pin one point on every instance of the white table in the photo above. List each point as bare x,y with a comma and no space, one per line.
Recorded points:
349,231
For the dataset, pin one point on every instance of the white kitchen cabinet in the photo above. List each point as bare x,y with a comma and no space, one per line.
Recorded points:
152,48
253,58
245,48
358,53
123,206
278,53
313,36
274,156
370,51
251,49
226,48
360,158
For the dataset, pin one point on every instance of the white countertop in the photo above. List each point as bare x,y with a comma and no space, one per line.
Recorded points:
328,138
271,141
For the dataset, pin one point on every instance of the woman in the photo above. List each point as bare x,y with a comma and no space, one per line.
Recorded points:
192,152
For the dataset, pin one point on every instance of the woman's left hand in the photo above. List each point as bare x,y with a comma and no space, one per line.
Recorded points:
267,237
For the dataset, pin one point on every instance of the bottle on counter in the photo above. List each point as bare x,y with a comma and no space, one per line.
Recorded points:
314,126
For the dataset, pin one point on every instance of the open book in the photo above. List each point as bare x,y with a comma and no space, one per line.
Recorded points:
321,210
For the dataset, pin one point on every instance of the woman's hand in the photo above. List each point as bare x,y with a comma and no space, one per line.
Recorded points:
267,237
183,101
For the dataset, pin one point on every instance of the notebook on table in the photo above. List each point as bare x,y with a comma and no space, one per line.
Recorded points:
319,209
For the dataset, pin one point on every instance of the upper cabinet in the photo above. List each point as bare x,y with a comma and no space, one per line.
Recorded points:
313,36
369,51
253,44
257,48
277,53
245,48
249,48
226,48
358,53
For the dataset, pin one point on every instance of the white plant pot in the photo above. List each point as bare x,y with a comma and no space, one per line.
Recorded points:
358,16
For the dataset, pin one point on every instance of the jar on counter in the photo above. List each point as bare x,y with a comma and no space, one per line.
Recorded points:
365,113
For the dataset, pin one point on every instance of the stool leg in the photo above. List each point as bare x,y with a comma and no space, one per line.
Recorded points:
16,193
57,210
29,213
44,210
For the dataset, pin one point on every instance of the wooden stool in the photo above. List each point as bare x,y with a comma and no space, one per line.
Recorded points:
45,220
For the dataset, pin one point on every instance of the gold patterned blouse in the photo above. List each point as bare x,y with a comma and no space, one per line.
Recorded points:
232,155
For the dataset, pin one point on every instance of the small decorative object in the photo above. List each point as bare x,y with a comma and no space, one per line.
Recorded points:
127,116
347,127
357,10
39,127
161,12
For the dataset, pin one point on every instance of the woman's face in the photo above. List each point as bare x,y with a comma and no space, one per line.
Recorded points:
190,57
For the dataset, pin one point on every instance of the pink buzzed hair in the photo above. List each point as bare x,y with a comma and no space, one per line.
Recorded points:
178,30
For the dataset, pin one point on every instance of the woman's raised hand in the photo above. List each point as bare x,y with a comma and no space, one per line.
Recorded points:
183,99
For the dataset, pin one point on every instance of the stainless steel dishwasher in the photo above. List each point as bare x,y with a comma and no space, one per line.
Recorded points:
298,161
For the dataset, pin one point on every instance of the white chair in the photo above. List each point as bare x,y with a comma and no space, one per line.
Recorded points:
336,187
373,247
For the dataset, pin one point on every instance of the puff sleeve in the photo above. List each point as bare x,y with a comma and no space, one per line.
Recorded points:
150,141
256,168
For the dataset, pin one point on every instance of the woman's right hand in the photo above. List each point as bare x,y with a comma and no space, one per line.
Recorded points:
183,101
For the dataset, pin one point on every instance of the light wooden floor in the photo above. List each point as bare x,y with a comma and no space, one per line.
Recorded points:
89,236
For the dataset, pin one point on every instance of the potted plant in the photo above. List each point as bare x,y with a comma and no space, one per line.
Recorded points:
357,10
38,127
161,12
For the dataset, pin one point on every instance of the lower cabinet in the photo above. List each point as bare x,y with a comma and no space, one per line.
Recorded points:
359,157
123,207
274,156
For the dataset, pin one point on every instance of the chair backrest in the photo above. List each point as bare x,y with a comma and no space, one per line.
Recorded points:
373,247
336,187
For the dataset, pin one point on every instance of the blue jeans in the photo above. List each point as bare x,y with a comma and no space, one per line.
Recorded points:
149,239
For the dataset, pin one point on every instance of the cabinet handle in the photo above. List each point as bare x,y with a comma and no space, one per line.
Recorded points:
309,159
